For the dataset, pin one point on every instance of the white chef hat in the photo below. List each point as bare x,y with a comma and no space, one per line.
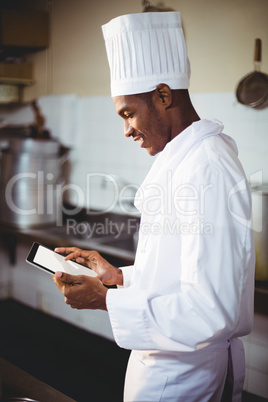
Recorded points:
145,50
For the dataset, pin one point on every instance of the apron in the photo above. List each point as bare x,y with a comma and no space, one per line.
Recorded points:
214,374
236,372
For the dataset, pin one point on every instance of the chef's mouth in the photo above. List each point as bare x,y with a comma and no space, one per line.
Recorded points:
139,138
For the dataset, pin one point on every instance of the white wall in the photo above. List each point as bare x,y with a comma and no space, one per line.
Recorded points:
256,354
220,38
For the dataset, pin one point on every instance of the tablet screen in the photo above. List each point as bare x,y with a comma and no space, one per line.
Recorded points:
48,260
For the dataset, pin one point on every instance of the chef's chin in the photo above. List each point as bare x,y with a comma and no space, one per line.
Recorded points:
153,151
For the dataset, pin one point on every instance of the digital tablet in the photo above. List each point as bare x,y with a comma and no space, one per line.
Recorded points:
50,262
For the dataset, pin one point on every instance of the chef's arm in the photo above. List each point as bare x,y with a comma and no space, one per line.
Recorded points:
191,318
212,301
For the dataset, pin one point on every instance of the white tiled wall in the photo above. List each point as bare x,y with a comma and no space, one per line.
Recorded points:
248,127
101,148
256,352
92,129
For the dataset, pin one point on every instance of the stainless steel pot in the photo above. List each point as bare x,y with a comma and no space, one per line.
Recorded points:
34,146
32,175
260,220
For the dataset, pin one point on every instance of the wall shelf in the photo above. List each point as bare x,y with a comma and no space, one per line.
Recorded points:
17,81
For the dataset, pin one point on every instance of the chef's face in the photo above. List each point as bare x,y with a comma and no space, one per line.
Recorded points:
145,120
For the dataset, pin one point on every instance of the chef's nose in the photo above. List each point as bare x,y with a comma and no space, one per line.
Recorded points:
128,130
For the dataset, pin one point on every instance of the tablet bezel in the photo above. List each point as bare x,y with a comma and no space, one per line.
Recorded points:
32,254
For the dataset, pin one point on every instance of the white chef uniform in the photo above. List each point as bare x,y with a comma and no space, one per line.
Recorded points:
190,292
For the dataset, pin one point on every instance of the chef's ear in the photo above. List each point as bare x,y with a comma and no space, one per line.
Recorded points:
164,94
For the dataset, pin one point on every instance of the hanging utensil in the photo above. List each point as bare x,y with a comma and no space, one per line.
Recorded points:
252,90
149,8
38,127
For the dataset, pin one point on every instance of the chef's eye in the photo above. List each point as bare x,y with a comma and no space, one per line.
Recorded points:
128,115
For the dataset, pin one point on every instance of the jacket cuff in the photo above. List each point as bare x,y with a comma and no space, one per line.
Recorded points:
127,313
127,272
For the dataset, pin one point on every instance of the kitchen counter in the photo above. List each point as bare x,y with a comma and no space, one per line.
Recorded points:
54,237
68,363
114,236
19,383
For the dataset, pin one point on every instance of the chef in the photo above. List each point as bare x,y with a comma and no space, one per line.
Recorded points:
189,295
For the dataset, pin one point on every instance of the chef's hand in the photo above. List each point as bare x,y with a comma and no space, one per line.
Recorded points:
81,291
107,273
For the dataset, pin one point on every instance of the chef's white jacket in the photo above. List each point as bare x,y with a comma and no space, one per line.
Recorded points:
192,283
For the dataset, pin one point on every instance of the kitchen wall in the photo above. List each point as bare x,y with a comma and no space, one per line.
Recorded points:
220,38
90,126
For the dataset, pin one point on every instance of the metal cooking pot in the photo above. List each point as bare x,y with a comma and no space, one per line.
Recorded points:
260,219
32,175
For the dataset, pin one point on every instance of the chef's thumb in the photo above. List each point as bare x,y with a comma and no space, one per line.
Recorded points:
63,277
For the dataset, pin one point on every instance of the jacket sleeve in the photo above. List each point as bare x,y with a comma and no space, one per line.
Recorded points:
215,299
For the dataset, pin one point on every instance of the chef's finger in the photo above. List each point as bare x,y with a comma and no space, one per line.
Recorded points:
65,250
78,253
80,260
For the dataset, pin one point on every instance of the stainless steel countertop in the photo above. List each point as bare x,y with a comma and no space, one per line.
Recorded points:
54,236
119,245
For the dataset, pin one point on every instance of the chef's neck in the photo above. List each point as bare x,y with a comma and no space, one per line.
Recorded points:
182,112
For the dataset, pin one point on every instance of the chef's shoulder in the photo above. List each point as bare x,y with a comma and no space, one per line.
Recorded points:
211,160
